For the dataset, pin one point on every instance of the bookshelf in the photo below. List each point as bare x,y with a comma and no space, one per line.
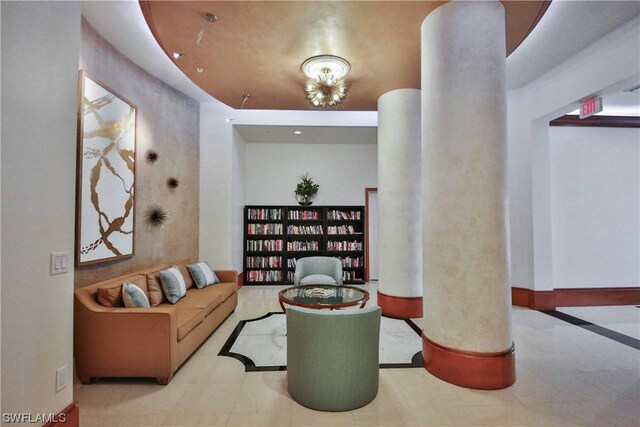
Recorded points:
277,236
264,244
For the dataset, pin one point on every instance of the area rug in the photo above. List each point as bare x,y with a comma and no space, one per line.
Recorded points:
261,343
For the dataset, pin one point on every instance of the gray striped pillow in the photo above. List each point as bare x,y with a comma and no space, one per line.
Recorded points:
133,296
173,284
202,274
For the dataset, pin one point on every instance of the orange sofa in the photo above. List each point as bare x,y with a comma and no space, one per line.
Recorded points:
146,342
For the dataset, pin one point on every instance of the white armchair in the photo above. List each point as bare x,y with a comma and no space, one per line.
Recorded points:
318,270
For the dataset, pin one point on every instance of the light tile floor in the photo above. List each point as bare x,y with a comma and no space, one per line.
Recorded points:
264,341
566,376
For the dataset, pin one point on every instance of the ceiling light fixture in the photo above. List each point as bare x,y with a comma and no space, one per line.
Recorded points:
297,132
209,17
325,85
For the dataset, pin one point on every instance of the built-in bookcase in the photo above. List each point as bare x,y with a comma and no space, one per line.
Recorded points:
277,236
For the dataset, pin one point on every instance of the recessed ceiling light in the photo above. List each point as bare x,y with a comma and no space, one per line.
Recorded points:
297,132
200,69
177,55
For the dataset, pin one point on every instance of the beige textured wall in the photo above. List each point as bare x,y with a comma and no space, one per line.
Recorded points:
168,122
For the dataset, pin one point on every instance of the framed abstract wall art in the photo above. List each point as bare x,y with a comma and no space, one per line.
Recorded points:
105,212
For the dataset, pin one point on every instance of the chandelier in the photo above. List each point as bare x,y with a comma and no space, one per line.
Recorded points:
325,85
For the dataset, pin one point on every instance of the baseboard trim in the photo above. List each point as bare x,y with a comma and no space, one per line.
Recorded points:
400,307
69,417
535,300
481,371
577,297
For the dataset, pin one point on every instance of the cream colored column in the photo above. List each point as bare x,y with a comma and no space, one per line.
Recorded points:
399,194
467,327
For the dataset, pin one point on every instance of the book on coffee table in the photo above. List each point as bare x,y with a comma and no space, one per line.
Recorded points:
319,292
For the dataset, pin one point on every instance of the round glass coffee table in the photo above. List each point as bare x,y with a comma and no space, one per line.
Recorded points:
323,296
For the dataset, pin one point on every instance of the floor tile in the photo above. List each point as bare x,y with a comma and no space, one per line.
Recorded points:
566,376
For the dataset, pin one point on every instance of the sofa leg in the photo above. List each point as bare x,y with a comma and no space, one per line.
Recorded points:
164,380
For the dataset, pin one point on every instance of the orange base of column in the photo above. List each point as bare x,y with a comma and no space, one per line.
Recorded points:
400,307
482,371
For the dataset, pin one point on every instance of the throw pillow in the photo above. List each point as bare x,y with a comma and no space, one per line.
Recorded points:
156,294
133,296
173,284
202,274
110,296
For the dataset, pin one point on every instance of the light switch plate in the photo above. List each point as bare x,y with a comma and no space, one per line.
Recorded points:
59,263
61,378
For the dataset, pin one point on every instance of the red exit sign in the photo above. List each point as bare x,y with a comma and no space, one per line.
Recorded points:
590,107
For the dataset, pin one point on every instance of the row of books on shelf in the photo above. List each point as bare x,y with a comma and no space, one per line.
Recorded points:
334,245
335,214
305,229
351,276
304,215
264,229
263,276
274,214
342,229
264,245
352,262
303,246
276,276
349,262
264,261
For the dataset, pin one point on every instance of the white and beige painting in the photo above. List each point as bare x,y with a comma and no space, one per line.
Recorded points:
107,178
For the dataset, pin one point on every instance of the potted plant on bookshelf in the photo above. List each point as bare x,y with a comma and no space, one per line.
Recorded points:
306,190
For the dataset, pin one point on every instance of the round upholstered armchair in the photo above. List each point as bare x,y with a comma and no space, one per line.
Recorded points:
332,357
318,270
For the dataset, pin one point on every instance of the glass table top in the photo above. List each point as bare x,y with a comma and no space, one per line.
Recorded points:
324,295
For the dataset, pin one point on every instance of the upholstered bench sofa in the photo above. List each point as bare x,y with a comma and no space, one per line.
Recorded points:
115,341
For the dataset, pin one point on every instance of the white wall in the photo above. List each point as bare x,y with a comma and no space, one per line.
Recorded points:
595,198
216,185
41,47
238,195
343,171
234,173
612,60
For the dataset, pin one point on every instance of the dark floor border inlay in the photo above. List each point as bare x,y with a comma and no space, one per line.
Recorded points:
592,327
250,366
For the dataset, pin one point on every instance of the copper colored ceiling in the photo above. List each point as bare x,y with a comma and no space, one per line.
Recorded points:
256,47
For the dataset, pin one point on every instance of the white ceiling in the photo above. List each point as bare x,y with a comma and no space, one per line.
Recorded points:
618,103
309,135
566,28
122,24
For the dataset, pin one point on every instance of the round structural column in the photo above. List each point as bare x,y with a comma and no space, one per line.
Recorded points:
467,325
399,194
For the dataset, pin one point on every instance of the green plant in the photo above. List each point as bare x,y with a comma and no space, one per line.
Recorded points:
306,188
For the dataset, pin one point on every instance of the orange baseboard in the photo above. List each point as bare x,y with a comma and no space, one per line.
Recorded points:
538,300
578,297
400,307
481,371
69,417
